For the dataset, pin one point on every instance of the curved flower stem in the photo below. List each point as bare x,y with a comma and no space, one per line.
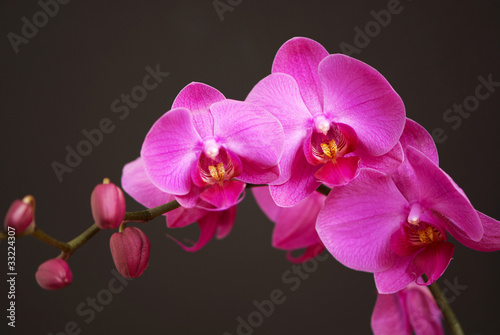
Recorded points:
71,246
80,240
149,214
448,314
42,236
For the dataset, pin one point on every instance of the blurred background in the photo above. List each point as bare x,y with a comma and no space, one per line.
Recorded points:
62,76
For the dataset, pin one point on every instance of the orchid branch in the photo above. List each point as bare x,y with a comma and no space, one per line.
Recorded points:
444,306
71,246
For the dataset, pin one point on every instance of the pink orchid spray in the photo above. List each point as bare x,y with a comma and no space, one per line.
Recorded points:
318,120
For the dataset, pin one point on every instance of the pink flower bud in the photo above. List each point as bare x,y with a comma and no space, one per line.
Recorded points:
54,274
108,205
20,214
130,251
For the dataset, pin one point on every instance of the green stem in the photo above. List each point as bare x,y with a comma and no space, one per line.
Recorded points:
448,314
151,213
80,240
42,236
140,216
71,246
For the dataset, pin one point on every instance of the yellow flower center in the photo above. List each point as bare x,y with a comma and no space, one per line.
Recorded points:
217,172
429,235
330,149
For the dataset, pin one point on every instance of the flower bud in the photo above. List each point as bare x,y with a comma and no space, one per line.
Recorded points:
130,251
54,274
108,205
20,214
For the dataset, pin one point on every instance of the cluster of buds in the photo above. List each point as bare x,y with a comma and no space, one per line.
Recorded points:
129,247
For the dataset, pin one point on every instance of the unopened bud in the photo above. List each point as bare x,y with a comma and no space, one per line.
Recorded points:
130,251
54,274
20,214
108,205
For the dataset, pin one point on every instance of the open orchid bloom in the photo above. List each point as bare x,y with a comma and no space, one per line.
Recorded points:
137,184
411,310
295,227
338,114
396,225
207,147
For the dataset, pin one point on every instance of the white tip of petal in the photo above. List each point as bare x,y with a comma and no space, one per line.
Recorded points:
414,216
211,149
321,123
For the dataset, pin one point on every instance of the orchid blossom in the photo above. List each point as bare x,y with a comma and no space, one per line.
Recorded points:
207,147
337,113
396,226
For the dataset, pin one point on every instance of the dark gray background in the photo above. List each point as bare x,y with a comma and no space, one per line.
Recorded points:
64,80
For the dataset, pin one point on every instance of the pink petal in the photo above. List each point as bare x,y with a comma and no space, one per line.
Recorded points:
339,173
208,227
387,163
182,217
300,57
423,312
302,182
398,276
250,132
225,222
138,185
435,191
434,260
401,244
296,226
191,199
389,316
310,252
266,203
279,94
170,151
197,98
252,173
357,95
225,195
416,136
358,220
491,236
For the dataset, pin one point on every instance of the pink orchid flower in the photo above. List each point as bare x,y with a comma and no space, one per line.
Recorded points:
137,184
295,227
412,309
207,147
338,114
396,225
